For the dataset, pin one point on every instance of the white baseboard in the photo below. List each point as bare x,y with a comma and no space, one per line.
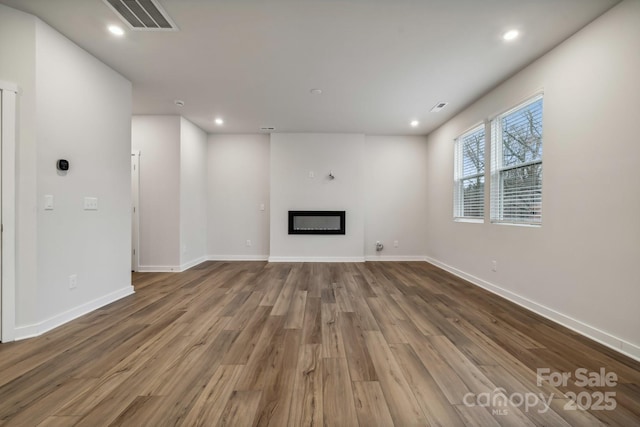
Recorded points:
193,263
237,257
29,331
396,258
171,268
628,349
159,269
315,259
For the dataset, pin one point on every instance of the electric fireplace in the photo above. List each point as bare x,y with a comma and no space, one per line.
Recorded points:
316,222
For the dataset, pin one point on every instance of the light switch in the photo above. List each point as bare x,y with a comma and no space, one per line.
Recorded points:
261,206
90,203
48,202
312,174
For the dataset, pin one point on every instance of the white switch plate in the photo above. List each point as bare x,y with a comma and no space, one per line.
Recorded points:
248,243
73,281
90,203
312,174
48,202
261,206
395,243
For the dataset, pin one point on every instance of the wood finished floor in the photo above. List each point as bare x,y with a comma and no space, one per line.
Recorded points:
252,343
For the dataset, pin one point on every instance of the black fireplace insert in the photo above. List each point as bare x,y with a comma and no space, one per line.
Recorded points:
316,222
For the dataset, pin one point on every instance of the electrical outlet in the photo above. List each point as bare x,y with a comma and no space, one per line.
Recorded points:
73,281
184,249
395,243
248,243
494,265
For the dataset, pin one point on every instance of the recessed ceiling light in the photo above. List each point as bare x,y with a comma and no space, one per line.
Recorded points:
179,102
219,121
316,91
510,35
414,123
114,29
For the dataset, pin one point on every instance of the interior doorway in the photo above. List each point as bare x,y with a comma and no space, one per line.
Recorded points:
135,215
8,94
1,228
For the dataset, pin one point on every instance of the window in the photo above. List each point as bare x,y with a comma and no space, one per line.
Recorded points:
468,199
516,165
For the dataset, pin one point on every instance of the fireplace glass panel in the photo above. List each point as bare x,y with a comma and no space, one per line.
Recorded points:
316,222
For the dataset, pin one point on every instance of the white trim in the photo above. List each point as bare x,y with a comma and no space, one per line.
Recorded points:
618,344
187,265
315,259
237,257
539,93
135,218
468,220
159,269
8,282
171,268
4,85
397,258
29,331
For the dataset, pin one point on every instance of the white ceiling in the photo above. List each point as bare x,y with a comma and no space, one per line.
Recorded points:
380,63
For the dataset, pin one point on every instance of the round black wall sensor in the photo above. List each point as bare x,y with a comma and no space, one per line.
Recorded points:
63,165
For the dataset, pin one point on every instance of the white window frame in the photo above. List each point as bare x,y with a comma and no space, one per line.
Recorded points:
497,168
459,177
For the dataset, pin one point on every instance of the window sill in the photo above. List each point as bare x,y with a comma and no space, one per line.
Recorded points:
517,224
470,220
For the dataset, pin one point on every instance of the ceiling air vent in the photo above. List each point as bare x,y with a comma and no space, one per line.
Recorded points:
142,15
267,128
439,106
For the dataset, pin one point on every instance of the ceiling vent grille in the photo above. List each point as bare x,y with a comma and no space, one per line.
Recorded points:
439,106
142,15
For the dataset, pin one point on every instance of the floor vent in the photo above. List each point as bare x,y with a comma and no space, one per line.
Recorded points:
142,15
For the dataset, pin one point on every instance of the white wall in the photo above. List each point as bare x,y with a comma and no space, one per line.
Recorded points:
238,183
158,140
293,156
70,106
83,115
395,197
580,267
193,194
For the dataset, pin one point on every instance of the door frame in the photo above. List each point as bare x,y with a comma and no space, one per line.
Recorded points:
8,211
135,210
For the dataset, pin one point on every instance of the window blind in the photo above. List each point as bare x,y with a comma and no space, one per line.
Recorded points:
469,170
516,164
